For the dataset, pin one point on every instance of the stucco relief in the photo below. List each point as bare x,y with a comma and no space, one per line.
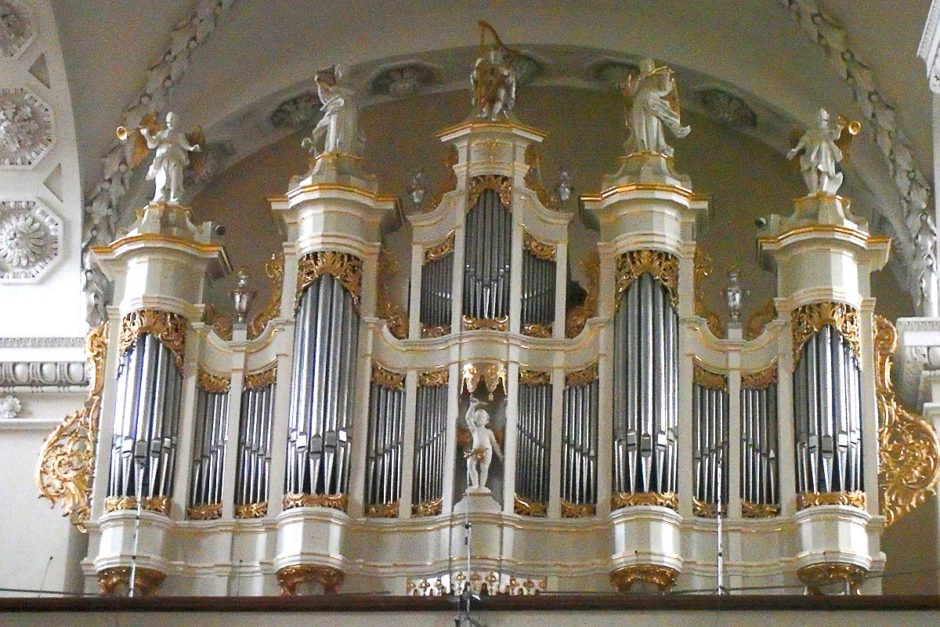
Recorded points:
16,29
30,237
25,128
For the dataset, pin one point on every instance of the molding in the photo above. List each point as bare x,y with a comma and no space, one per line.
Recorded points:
44,376
42,342
930,45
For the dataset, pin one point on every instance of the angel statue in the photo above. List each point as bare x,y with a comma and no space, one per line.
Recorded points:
482,446
493,80
652,100
821,153
170,157
338,129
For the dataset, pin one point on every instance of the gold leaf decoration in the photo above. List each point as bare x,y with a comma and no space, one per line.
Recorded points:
251,510
274,268
486,324
500,184
66,466
577,510
529,508
908,449
808,320
393,314
855,498
662,577
704,509
759,319
146,580
661,265
434,378
534,160
708,379
759,380
441,249
583,376
258,380
577,317
331,501
159,504
168,327
534,377
492,374
450,180
759,510
213,384
539,250
382,510
702,269
290,577
204,511
635,499
432,332
815,576
387,378
427,508
345,268
220,323
537,330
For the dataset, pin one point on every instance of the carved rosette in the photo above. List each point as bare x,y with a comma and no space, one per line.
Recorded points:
30,240
262,379
428,508
759,319
908,448
26,128
816,499
577,317
523,507
169,328
485,324
816,576
492,375
663,577
534,160
759,510
502,185
213,384
290,577
158,504
112,580
708,379
345,268
539,250
67,457
635,499
387,378
808,320
251,510
663,266
274,268
220,323
329,501
440,250
702,269
580,377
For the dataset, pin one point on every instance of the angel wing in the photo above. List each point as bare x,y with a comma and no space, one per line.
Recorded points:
197,160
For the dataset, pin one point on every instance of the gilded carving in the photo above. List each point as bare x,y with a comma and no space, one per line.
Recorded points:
759,380
393,314
534,377
534,160
331,501
529,508
759,319
168,327
704,509
708,379
583,376
220,323
816,576
146,580
67,457
436,331
251,510
663,266
491,374
485,324
577,317
662,577
274,268
204,511
213,384
441,249
290,577
702,269
807,320
577,510
450,179
816,499
387,378
428,508
382,510
634,499
158,504
759,510
500,184
434,378
539,250
908,449
345,268
537,330
258,380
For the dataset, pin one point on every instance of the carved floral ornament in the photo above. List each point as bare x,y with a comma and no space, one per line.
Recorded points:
262,379
26,130
290,577
16,28
539,250
533,179
441,249
759,380
434,378
663,266
491,374
908,448
274,268
577,317
534,377
584,376
703,268
661,576
387,378
30,239
524,507
168,327
635,499
708,379
67,457
500,184
213,384
808,320
345,268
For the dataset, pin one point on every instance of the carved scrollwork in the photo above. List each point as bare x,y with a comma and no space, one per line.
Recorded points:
450,180
213,384
759,510
146,580
251,510
500,184
434,378
577,510
534,160
537,330
485,324
258,380
583,376
807,320
815,576
158,504
817,499
168,327
436,331
393,314
759,380
382,510
539,250
491,374
274,268
759,319
577,317
441,249
534,377
345,268
704,509
529,508
290,577
204,511
331,501
634,499
428,508
663,266
387,378
220,323
702,269
662,577
67,457
908,448
708,379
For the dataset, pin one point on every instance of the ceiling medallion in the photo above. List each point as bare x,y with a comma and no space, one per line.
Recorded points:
403,80
16,29
297,112
25,128
614,73
30,237
726,108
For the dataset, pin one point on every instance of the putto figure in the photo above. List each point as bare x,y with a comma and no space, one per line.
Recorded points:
338,129
821,154
493,81
170,158
483,445
651,102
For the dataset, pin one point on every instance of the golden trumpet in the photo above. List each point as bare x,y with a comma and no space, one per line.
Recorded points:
854,127
123,132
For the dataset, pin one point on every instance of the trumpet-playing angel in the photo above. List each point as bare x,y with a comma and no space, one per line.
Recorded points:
170,158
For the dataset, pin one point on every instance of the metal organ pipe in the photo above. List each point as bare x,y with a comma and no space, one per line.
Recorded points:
430,441
579,440
383,450
710,426
488,250
254,439
208,459
759,439
535,405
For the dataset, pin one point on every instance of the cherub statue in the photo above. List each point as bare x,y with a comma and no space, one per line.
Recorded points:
493,80
170,158
652,101
821,154
483,445
338,129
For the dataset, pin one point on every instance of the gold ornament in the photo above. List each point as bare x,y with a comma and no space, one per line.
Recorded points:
537,330
908,449
434,378
331,501
146,580
539,250
808,320
816,576
500,184
158,504
262,379
450,180
441,249
345,268
635,499
431,332
204,511
755,324
213,384
394,315
428,508
529,508
577,510
492,374
702,269
815,499
760,380
67,457
486,324
534,160
221,323
169,328
759,510
662,577
290,577
274,268
704,509
584,376
251,510
708,379
577,317
382,510
387,378
663,267
534,377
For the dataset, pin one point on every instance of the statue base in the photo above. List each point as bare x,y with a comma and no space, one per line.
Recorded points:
817,209
647,168
172,220
477,500
337,168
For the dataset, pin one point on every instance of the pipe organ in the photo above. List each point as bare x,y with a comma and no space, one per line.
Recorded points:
600,448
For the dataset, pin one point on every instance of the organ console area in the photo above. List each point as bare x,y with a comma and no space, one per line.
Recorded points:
325,445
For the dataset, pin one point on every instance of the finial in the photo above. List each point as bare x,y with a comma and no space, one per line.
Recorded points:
242,296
